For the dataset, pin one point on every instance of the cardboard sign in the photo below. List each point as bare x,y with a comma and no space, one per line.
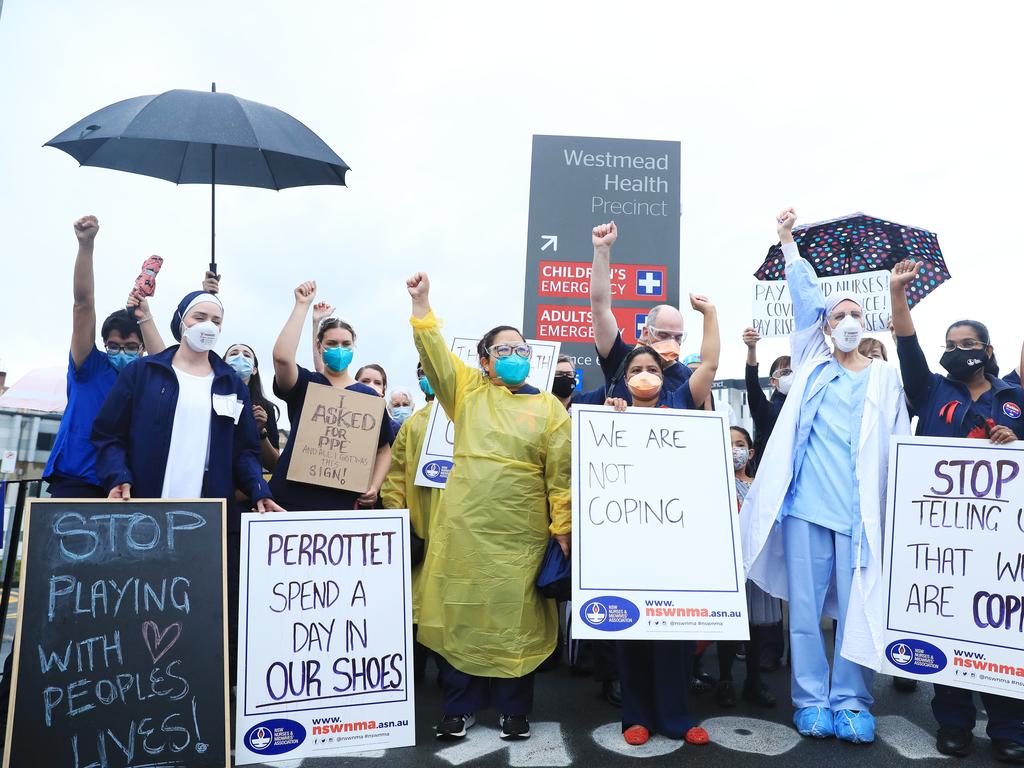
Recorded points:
436,456
773,309
655,528
324,635
336,438
953,567
120,656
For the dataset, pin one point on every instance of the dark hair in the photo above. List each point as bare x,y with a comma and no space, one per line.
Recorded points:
123,321
256,385
329,323
991,366
746,435
779,362
642,349
374,366
488,340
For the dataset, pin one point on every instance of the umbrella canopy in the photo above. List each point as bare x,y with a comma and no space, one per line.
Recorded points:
862,243
203,137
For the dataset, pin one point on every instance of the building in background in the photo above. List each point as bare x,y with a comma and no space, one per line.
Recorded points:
30,413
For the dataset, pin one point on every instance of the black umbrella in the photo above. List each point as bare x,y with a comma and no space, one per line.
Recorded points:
200,137
862,243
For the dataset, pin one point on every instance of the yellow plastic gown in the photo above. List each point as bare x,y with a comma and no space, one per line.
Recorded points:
400,491
509,490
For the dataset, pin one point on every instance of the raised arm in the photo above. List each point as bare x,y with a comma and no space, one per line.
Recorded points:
757,401
807,341
917,376
286,372
710,348
151,338
902,275
320,310
83,315
606,329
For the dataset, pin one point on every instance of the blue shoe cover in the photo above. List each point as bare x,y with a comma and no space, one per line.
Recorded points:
815,722
856,727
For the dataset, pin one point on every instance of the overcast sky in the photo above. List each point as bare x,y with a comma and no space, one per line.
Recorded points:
908,111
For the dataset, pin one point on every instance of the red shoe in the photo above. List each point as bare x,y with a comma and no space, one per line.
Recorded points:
145,283
637,735
697,735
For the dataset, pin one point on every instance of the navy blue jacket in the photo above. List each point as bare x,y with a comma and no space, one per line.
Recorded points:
941,403
763,410
132,432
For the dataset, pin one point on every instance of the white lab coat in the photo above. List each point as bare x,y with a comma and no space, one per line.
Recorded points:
885,415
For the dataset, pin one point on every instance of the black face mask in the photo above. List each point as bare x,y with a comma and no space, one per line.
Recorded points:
563,386
963,364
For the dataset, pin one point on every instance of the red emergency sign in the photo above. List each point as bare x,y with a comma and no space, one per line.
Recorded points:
631,282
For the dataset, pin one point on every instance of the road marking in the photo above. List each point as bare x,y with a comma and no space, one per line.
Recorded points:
545,747
910,740
748,734
610,737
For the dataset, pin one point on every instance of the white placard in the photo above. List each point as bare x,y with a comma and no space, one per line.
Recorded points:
655,526
324,635
773,309
953,569
439,444
8,461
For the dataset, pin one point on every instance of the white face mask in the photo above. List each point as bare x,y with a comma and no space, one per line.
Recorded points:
785,383
740,457
201,337
847,334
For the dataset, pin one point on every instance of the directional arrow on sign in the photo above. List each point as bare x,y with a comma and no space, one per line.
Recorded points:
550,240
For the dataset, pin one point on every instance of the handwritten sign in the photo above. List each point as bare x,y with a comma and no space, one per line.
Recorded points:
773,308
121,646
954,564
436,456
325,635
336,438
656,549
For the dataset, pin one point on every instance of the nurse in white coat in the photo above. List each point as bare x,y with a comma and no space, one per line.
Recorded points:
811,524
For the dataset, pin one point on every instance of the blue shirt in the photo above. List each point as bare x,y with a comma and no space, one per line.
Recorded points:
675,374
73,455
303,496
826,479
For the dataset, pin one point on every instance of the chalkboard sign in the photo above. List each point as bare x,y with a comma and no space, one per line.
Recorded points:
121,646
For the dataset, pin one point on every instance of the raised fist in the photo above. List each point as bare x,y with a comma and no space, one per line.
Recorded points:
306,292
86,229
605,235
418,285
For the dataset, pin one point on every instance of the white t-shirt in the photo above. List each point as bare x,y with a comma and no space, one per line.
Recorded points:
190,438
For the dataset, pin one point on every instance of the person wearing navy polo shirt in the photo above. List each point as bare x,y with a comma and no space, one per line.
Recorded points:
971,401
71,470
662,329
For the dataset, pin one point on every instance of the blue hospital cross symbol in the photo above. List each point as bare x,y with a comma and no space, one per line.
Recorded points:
641,321
648,283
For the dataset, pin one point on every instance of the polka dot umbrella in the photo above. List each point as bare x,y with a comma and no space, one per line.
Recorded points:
862,243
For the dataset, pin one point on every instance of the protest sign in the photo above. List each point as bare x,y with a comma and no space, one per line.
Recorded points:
439,444
655,541
121,645
336,438
773,308
953,567
324,635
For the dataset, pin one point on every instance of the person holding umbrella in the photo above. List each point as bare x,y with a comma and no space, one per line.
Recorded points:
811,523
336,342
970,401
506,498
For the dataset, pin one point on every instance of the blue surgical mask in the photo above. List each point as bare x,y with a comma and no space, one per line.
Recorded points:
425,386
512,369
337,358
121,359
242,365
401,413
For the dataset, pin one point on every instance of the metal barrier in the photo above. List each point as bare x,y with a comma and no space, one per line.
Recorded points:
12,539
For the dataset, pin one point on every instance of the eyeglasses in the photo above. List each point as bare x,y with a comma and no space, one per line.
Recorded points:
659,334
781,372
131,349
967,345
504,350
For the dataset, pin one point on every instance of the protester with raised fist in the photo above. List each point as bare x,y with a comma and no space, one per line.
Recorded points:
811,522
506,497
335,347
970,401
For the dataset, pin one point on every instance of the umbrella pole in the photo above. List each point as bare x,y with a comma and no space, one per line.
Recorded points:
213,200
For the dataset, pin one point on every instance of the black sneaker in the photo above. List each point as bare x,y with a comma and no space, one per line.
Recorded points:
514,726
454,727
